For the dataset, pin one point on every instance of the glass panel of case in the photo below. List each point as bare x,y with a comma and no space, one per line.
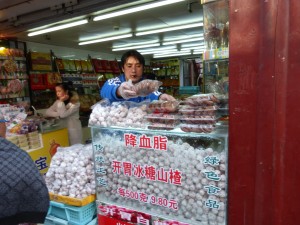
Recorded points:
174,175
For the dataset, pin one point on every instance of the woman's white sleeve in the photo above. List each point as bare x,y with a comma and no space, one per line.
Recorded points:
52,110
64,112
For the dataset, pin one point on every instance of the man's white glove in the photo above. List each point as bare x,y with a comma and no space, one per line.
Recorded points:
127,90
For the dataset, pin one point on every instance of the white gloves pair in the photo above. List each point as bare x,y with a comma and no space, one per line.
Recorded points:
128,90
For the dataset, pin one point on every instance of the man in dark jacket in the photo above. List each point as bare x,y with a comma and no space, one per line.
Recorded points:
24,196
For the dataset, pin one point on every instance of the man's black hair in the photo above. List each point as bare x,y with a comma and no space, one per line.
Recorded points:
132,53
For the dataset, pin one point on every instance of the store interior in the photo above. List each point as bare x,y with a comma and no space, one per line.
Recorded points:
184,40
20,18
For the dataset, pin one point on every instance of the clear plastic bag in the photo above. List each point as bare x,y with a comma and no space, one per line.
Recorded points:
146,87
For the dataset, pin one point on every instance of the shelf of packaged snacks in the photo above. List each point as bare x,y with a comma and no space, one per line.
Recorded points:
74,77
13,73
89,79
168,72
13,57
9,96
218,53
14,76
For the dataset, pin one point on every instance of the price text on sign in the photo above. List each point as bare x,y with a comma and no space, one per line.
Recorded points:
143,197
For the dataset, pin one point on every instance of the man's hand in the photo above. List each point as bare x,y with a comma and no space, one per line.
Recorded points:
126,90
166,97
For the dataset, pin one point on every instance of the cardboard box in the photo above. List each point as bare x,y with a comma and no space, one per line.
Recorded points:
72,201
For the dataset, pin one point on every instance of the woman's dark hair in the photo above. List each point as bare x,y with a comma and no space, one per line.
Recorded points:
67,87
132,53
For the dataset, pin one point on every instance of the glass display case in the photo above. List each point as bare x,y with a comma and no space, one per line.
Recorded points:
216,24
216,55
160,176
192,77
216,72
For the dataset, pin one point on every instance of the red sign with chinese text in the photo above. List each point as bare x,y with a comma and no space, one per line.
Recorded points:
111,221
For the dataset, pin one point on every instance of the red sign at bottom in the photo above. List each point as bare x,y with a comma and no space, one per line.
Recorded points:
111,221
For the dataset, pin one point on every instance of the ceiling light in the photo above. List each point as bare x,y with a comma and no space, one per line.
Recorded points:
183,41
68,56
160,52
183,37
60,27
175,51
105,39
171,55
136,47
193,48
104,35
166,29
136,9
196,44
134,44
198,52
159,49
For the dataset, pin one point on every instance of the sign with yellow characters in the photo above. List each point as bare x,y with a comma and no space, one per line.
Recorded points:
50,142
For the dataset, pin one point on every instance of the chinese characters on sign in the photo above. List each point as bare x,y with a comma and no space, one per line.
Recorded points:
41,163
157,143
149,172
107,214
100,160
213,176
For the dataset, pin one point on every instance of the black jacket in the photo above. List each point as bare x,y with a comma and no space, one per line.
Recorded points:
24,196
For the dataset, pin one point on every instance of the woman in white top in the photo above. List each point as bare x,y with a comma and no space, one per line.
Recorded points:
66,107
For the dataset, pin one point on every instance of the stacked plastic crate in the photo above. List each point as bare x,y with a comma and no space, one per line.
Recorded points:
64,214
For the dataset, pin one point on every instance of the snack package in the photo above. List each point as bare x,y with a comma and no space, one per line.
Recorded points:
201,100
164,106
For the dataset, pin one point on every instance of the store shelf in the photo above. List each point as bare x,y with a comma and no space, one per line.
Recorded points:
13,74
14,58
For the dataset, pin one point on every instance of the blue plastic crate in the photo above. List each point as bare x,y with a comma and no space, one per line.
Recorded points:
52,220
58,210
93,222
81,215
